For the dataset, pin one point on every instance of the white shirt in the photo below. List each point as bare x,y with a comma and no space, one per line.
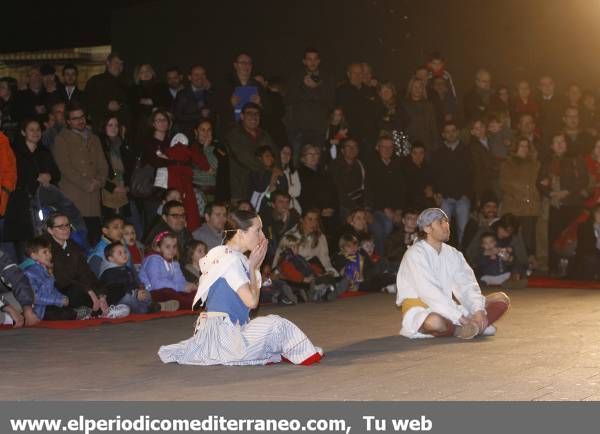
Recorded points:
435,277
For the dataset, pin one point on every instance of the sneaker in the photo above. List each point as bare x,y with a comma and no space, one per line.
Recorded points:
286,301
390,289
83,312
489,330
117,311
169,306
330,295
468,331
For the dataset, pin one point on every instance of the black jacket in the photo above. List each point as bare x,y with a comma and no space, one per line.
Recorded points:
452,171
99,90
385,185
18,225
71,269
188,109
476,105
360,111
349,181
77,96
25,102
318,190
117,282
417,178
307,107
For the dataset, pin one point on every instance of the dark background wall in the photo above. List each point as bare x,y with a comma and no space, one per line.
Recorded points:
513,38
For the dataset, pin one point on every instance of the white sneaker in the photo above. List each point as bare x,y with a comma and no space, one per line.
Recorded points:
390,289
117,311
489,330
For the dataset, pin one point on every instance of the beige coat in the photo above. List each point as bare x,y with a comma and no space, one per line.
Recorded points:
520,195
80,162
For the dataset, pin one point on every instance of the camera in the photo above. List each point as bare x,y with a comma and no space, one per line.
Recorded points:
315,78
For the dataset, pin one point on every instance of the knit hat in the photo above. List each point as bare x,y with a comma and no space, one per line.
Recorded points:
430,215
179,139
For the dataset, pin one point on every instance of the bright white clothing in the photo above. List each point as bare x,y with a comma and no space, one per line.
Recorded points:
434,278
226,336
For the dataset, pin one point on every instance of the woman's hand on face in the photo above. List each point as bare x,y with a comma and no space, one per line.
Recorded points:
257,255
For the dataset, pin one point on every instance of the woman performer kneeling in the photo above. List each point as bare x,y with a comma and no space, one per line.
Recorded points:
230,287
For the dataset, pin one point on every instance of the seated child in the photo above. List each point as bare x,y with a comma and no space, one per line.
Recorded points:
493,264
161,273
194,251
276,290
123,287
49,303
266,180
350,262
135,248
112,231
292,268
357,268
402,237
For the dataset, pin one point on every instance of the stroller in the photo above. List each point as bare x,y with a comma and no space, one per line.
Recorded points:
49,199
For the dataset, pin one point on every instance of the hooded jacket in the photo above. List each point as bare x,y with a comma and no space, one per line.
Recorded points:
42,283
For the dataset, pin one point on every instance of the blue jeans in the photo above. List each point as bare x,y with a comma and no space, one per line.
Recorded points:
135,305
459,209
381,227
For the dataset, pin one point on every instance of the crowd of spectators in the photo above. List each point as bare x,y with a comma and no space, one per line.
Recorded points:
111,194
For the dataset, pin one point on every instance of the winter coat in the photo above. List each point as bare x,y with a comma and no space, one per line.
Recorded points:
81,160
520,195
18,224
42,283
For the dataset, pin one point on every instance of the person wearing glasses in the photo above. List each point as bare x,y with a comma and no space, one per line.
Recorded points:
74,278
173,220
82,164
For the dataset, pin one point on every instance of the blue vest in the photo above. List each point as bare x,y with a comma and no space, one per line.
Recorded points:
223,298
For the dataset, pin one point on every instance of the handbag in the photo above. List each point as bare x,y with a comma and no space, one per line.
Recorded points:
141,185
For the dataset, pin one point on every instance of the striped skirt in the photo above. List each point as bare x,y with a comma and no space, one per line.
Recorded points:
218,341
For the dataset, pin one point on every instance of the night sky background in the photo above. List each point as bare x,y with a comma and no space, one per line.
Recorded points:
513,38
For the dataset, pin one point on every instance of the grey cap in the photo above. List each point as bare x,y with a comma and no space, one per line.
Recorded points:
430,215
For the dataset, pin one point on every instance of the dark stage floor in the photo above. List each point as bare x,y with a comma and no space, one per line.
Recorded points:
547,348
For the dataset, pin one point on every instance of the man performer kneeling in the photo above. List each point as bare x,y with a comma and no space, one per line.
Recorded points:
431,274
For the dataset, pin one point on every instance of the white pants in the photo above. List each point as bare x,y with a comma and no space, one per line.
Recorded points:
218,341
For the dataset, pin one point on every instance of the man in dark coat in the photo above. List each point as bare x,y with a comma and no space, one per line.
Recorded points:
70,93
192,102
107,93
360,111
308,100
385,191
477,101
31,102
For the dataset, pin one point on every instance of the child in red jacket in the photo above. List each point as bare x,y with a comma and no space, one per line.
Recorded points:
181,158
